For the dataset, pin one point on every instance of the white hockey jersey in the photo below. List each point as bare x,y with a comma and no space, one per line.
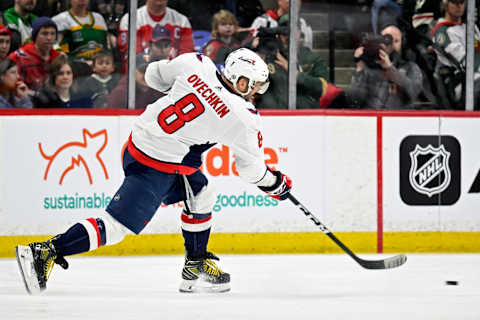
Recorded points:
178,24
198,111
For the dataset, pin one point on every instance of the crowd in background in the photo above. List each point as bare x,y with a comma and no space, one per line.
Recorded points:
73,53
424,42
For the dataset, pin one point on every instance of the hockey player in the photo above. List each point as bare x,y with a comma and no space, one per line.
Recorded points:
202,107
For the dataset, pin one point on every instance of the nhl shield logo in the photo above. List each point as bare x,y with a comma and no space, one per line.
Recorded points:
429,171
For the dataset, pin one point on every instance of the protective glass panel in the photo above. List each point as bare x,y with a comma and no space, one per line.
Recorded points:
449,42
381,54
360,54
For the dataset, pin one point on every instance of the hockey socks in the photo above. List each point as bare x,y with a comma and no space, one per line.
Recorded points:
196,243
84,236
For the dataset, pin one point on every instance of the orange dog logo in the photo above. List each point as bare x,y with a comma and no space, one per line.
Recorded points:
75,153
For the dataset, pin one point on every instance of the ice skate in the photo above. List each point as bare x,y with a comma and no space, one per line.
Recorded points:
203,275
36,263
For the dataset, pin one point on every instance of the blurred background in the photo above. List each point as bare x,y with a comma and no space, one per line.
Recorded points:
351,54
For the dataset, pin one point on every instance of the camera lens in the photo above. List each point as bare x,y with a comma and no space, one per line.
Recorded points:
387,39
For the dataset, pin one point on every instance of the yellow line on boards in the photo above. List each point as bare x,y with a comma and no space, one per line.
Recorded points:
285,242
431,242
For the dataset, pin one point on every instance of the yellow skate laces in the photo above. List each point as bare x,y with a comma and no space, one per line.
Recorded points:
49,262
211,268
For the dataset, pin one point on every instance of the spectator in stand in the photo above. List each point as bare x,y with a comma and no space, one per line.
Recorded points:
418,18
60,90
82,33
449,35
453,13
33,58
421,14
382,78
223,41
271,17
159,47
5,41
99,85
13,92
313,89
19,20
144,95
156,12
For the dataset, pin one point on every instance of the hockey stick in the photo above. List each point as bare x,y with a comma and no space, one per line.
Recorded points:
388,263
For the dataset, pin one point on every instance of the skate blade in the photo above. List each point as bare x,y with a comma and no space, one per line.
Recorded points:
27,270
199,286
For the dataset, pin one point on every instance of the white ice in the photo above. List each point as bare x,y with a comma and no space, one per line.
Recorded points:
263,287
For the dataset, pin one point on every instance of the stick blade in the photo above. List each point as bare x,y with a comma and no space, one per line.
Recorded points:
395,261
389,263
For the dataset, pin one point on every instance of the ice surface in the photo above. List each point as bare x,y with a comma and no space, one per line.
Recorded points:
263,287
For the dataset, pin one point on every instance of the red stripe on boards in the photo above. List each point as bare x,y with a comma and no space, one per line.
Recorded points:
263,112
379,185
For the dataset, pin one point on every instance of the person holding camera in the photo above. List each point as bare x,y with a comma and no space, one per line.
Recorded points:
271,19
383,79
313,89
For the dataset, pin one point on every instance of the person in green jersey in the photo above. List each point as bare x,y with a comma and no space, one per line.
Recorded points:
83,33
19,20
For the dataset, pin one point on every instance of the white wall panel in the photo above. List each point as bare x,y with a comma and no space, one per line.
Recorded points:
330,159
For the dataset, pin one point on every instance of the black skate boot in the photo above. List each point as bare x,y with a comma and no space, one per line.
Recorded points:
203,275
36,263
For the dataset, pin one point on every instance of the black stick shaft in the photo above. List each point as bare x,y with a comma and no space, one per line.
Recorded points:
388,263
322,227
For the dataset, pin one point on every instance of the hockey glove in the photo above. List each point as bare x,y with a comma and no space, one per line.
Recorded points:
281,188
